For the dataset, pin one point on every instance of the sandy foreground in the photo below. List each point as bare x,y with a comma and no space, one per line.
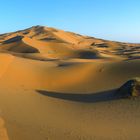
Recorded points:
57,85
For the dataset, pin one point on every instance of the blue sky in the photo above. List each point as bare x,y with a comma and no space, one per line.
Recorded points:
109,19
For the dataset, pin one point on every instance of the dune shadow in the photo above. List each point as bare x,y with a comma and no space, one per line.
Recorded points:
13,39
88,54
67,64
88,98
132,58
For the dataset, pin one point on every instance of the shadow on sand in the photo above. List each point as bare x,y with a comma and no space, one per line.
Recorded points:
88,98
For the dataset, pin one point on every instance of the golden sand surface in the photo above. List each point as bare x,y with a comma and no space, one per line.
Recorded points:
58,85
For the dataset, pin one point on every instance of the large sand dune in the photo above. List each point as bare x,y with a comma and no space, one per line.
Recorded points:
57,85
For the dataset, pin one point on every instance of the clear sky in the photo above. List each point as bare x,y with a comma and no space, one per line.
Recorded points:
109,19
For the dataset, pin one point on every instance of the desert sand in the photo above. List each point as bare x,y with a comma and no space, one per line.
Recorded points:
58,85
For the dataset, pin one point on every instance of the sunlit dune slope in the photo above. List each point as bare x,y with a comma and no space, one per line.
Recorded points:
59,85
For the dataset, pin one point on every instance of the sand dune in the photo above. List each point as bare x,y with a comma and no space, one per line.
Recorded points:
61,85
17,45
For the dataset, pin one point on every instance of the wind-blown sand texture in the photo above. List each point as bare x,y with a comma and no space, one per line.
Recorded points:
57,85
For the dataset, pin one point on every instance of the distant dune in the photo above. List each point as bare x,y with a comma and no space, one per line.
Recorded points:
58,85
